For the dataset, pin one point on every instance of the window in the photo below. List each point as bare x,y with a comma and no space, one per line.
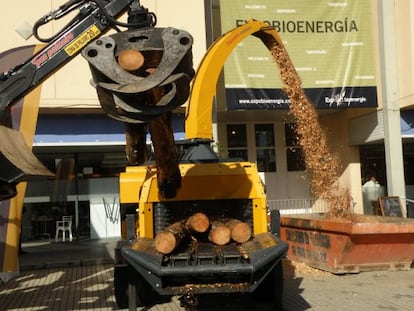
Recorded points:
265,147
294,152
237,141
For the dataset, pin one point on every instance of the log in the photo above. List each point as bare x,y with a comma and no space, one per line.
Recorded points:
170,238
131,60
135,147
240,231
165,152
219,234
198,222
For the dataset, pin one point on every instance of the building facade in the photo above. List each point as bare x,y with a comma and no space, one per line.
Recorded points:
85,148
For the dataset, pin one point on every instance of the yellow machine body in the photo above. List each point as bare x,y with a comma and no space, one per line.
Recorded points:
200,182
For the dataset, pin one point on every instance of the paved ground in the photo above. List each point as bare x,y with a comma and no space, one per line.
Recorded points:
79,276
49,254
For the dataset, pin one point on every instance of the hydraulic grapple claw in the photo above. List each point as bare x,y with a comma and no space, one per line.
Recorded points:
167,68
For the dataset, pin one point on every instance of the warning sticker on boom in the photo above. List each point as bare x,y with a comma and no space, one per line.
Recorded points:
84,38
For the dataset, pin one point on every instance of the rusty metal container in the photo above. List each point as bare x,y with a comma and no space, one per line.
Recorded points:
370,243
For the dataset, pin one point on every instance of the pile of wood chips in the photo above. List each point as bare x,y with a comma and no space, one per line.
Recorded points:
293,269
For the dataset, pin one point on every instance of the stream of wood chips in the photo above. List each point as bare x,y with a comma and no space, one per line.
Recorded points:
321,164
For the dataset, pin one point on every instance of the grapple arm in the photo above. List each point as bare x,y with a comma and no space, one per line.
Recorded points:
94,18
91,21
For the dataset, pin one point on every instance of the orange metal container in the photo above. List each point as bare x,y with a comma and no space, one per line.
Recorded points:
370,243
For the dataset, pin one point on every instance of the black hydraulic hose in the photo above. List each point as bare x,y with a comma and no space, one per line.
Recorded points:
56,14
146,19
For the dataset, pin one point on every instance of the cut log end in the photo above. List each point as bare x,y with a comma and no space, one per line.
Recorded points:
168,240
220,235
165,242
130,60
241,232
198,222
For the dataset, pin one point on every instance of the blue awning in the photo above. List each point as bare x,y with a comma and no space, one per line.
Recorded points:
88,129
407,123
369,128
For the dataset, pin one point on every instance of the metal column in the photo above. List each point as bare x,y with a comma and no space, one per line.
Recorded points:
390,101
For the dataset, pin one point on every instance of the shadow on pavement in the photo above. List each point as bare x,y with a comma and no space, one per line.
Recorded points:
43,254
79,288
78,275
292,299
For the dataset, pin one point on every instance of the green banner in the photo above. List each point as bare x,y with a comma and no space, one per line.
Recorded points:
330,44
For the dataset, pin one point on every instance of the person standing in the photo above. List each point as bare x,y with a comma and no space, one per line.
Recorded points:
371,191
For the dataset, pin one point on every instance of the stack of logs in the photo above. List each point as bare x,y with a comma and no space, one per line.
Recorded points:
219,232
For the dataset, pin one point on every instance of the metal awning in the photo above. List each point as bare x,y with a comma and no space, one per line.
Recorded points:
407,124
88,129
369,128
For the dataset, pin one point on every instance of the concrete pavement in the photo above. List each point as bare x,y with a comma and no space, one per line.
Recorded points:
46,253
79,276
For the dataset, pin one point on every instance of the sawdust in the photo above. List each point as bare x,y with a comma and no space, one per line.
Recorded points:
321,164
293,269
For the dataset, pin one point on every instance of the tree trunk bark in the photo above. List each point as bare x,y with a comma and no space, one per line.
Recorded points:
165,154
135,148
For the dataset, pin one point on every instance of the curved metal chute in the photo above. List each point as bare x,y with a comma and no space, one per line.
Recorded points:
199,113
